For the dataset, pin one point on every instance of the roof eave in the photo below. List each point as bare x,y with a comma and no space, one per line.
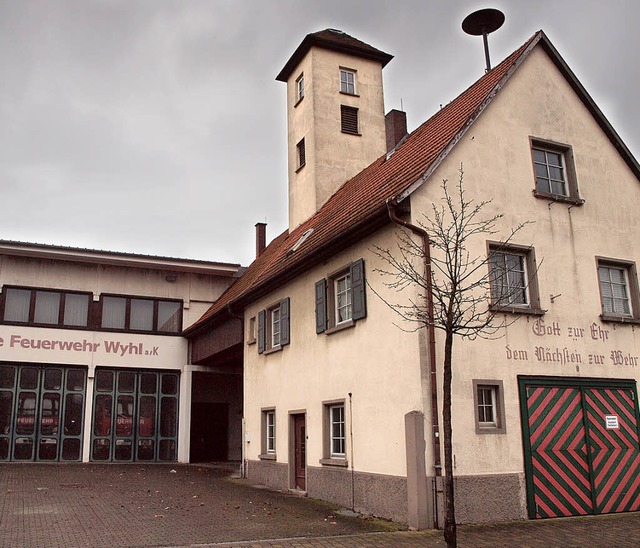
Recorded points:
311,40
125,260
370,224
592,107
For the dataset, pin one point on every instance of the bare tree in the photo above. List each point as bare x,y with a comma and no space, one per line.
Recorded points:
458,292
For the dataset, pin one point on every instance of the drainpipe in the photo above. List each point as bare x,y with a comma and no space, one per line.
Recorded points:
426,250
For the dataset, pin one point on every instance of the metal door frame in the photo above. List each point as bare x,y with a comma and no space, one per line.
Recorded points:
36,436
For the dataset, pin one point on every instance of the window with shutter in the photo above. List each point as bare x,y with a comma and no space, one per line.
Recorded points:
274,330
341,298
349,119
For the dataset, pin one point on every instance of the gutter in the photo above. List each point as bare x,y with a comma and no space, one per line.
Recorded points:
426,248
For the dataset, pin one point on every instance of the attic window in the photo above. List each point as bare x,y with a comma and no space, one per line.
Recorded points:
301,240
349,120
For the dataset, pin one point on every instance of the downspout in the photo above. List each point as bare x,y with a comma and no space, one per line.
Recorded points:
426,251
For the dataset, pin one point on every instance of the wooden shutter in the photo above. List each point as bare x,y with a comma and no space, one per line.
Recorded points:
358,294
261,331
285,332
302,155
349,119
321,306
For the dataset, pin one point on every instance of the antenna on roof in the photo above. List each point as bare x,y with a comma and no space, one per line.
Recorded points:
483,22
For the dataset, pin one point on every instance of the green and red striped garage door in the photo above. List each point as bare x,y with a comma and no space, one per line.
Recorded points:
581,446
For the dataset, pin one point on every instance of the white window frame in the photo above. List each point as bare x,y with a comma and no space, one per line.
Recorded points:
270,431
548,178
274,323
630,286
348,81
499,294
300,88
504,297
342,308
268,434
486,403
340,439
494,389
568,178
331,457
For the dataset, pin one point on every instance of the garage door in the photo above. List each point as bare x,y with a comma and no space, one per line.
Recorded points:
581,446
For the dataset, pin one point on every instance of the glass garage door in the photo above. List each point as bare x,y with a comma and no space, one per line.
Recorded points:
41,412
135,416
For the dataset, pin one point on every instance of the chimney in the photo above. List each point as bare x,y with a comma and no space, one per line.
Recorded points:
261,238
395,123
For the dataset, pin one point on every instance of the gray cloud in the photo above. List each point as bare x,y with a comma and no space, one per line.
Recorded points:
157,126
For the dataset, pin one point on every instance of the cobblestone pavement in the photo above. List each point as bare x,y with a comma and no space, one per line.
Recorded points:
188,505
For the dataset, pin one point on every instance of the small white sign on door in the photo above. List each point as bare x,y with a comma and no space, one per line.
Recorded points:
612,422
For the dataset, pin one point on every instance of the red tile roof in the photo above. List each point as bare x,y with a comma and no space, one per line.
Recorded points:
361,201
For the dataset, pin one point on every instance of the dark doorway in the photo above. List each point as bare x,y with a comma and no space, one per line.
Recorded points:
209,432
299,450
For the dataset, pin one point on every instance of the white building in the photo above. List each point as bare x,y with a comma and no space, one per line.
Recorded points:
93,365
341,404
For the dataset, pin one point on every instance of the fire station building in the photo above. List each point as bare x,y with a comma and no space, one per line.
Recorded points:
93,366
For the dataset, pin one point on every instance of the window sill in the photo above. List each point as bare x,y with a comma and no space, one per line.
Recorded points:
273,350
612,318
351,133
298,102
302,166
490,430
267,456
518,310
558,198
340,327
251,341
341,463
349,94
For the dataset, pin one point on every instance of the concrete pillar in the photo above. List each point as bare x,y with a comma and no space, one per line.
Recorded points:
417,499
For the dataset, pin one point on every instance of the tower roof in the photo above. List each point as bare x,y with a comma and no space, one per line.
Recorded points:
335,40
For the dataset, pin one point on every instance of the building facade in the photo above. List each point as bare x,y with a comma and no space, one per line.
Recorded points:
343,401
93,366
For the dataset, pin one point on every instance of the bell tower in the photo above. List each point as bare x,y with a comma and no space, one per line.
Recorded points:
335,116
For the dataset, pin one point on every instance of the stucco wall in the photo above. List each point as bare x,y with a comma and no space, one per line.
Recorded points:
332,157
374,360
496,156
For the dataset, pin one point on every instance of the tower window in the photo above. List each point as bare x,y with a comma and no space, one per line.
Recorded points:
348,81
300,88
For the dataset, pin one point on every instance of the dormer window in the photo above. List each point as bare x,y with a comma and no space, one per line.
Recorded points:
347,81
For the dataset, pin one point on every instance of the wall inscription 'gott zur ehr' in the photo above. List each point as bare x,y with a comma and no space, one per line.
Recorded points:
563,355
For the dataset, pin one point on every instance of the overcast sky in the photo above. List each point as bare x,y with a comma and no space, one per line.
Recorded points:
157,127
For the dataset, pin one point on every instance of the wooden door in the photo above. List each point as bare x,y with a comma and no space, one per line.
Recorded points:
299,449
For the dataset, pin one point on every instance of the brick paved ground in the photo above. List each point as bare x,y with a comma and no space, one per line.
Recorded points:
135,505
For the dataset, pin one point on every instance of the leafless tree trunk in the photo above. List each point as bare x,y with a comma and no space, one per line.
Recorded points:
466,291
